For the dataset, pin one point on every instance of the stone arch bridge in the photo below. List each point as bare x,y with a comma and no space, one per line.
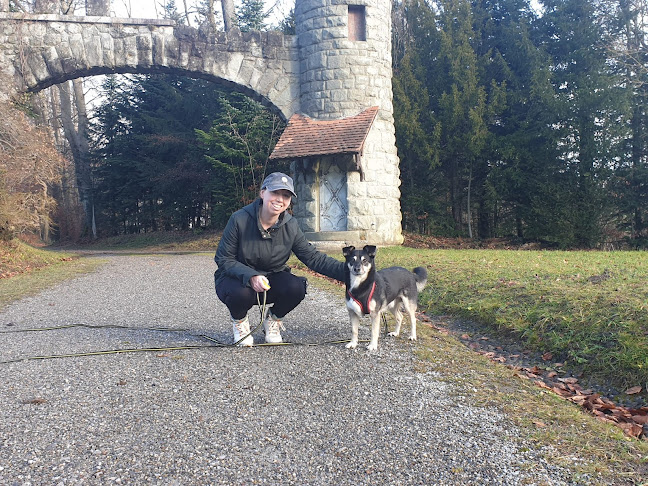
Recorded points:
336,67
37,51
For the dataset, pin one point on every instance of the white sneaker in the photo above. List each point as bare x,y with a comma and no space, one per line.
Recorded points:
272,328
242,329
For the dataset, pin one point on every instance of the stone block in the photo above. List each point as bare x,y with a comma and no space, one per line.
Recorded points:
158,49
78,52
144,45
53,62
93,52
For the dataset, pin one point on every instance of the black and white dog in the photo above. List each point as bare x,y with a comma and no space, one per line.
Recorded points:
372,292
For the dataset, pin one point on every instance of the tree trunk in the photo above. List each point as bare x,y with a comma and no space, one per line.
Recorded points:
210,14
229,14
84,147
80,153
186,9
99,8
468,209
45,219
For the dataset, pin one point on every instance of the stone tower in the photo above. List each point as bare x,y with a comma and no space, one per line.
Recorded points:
345,68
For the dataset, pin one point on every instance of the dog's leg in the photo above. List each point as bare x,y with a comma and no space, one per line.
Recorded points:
355,323
410,308
375,331
395,308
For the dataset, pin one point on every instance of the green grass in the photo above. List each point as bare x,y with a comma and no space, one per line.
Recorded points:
589,309
159,241
26,271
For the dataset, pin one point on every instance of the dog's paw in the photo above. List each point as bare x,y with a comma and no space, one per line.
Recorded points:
412,338
352,345
393,334
372,347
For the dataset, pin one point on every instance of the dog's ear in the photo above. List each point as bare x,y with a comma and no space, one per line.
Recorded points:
347,250
371,250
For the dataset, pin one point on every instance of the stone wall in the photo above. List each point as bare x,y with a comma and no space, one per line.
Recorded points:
38,51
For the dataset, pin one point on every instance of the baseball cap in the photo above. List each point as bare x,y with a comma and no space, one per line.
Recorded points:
277,181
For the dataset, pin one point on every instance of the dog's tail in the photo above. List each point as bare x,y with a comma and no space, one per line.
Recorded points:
420,275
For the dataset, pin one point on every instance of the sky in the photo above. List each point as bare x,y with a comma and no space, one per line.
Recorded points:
147,8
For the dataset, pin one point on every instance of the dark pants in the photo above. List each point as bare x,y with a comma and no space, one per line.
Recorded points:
286,292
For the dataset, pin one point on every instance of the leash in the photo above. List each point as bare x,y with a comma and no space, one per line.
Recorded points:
262,311
214,343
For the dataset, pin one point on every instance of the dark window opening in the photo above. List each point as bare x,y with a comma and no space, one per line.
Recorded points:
357,24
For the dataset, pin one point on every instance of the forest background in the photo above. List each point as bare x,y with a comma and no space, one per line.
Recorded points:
513,120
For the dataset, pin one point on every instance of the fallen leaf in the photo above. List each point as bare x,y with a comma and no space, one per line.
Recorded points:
568,380
633,390
34,401
633,430
539,423
547,356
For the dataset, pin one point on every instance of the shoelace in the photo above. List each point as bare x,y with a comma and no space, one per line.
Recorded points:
243,328
275,326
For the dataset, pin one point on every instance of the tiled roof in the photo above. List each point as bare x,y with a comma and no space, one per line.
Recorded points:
305,137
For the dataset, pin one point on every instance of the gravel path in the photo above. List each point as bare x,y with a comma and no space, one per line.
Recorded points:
266,415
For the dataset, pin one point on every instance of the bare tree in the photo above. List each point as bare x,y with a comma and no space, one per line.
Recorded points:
99,8
186,9
47,6
29,165
210,14
229,14
73,102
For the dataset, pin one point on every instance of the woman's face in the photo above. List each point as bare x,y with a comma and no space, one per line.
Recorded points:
275,202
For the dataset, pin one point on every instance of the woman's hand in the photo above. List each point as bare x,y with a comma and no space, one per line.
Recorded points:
259,283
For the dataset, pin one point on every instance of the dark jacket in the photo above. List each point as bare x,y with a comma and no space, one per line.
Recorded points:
246,249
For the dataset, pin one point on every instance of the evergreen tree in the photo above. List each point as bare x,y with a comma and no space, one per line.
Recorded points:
251,15
152,174
631,175
238,145
521,143
587,95
415,43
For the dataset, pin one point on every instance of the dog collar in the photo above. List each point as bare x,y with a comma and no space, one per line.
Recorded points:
363,307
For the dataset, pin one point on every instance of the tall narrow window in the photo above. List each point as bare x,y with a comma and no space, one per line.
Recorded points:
357,24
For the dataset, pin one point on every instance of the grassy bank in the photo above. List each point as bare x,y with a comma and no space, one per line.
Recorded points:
25,270
588,309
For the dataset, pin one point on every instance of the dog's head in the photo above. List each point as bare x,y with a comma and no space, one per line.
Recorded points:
359,262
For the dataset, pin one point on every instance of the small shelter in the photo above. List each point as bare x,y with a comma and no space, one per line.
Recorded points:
322,155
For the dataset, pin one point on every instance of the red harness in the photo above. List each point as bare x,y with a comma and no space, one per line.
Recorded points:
363,307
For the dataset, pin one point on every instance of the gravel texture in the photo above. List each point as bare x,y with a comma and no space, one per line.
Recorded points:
222,415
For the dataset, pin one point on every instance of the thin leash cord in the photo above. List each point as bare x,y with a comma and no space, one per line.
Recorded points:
214,343
262,310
